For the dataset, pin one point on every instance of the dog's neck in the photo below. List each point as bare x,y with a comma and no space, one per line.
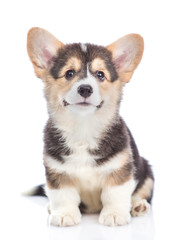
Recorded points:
85,128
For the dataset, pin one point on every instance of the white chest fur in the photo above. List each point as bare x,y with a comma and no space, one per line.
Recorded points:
81,165
81,135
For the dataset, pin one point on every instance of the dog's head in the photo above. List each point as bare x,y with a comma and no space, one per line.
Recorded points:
83,78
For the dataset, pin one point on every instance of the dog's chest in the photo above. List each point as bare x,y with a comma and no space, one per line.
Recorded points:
81,166
80,163
80,140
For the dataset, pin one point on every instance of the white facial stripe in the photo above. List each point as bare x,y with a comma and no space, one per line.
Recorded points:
73,97
83,47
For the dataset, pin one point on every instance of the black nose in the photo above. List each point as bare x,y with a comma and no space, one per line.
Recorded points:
85,90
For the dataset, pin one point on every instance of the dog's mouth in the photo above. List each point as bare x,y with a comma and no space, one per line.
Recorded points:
83,104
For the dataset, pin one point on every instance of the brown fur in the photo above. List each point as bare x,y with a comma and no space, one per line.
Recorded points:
146,190
33,35
73,63
99,65
125,76
120,176
56,180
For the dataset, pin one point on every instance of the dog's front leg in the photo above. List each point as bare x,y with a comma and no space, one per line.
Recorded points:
116,202
64,202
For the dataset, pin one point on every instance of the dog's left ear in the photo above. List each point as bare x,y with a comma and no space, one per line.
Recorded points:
127,53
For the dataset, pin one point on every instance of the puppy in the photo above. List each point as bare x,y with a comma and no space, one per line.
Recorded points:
91,161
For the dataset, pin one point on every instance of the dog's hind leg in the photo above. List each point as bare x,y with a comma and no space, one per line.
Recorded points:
141,199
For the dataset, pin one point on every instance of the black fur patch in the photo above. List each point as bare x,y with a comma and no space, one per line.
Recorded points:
64,54
74,50
82,207
55,144
142,168
39,191
114,141
101,52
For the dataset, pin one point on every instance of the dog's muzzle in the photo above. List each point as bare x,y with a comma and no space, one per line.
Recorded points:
65,103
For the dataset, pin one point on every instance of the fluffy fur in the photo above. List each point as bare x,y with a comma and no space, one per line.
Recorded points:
91,160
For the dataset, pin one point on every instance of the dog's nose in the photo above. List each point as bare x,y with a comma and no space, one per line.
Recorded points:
85,90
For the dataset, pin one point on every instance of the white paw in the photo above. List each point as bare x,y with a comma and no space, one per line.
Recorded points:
110,217
140,207
64,218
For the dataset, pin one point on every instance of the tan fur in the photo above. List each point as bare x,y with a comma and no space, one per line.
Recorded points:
73,63
140,206
92,199
120,176
125,171
111,89
37,34
55,88
60,87
91,183
56,180
79,178
99,65
125,75
145,191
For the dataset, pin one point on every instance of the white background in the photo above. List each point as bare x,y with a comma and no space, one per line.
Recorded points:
149,107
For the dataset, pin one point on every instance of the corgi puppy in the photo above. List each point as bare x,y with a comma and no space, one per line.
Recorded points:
91,160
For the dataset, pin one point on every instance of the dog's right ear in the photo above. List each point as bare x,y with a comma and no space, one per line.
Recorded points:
42,49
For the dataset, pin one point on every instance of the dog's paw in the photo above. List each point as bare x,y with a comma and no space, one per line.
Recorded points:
140,207
114,217
64,218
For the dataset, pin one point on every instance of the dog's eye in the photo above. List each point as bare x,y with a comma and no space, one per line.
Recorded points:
69,74
100,75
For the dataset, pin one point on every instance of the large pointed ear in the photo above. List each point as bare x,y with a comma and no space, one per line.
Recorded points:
42,48
127,53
